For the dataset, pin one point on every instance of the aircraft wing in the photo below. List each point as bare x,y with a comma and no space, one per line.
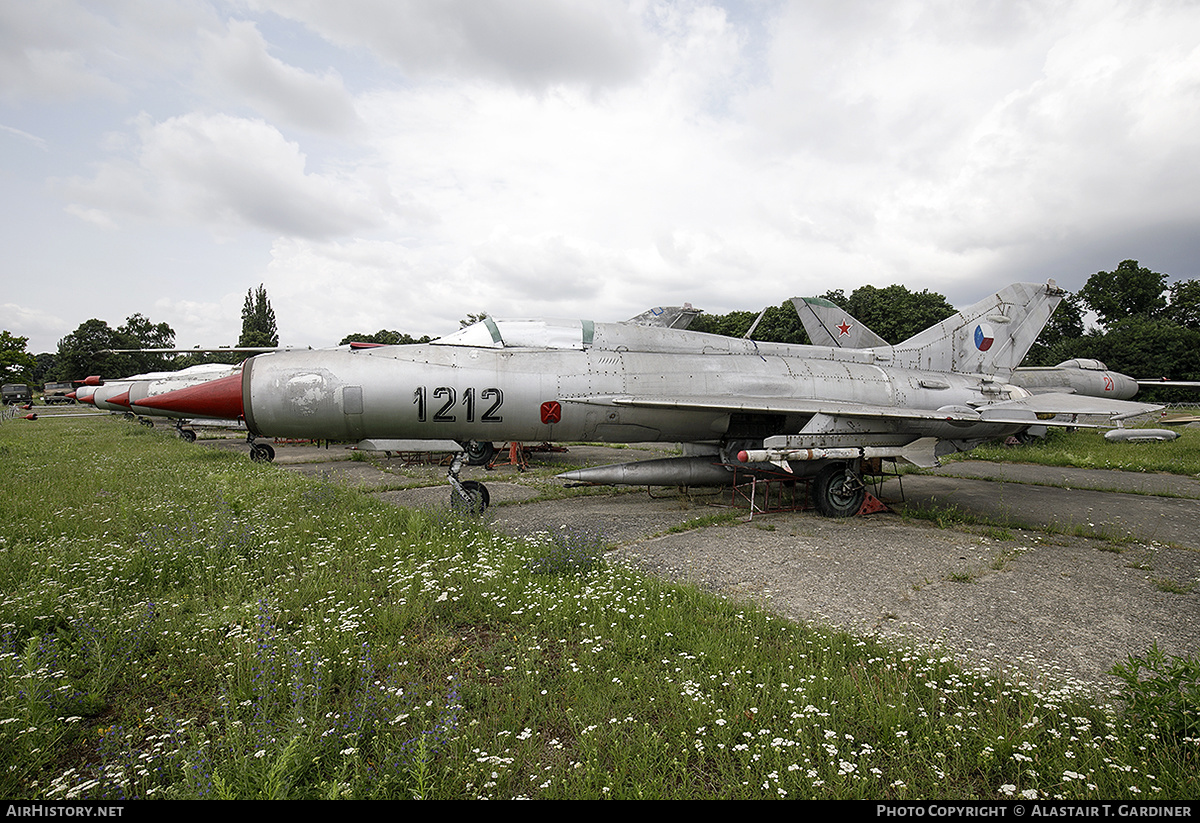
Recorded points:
779,405
1024,410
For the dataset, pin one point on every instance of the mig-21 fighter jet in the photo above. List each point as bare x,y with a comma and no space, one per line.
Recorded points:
739,405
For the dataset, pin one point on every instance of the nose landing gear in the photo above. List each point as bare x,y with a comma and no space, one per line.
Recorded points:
466,496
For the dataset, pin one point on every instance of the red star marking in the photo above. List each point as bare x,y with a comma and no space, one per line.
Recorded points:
551,411
843,328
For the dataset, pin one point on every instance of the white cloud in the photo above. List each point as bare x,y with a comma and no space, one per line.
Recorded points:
33,139
35,324
400,164
239,60
227,173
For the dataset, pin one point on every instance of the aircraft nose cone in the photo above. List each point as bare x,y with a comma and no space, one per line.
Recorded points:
1127,387
217,398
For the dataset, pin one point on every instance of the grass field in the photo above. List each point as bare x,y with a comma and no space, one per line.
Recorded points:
1087,449
180,623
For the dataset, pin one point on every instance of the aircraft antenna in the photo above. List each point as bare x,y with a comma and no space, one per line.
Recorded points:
754,325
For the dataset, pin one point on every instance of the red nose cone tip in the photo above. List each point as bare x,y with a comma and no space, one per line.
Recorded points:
217,398
87,398
70,395
743,457
121,399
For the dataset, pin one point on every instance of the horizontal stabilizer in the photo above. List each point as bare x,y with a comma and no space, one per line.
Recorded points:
1063,403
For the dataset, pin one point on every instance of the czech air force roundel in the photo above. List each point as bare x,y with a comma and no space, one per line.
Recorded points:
984,337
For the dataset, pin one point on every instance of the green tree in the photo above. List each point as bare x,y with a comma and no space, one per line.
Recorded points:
258,320
894,312
1129,290
472,319
779,324
91,350
140,332
16,364
384,337
45,366
1184,307
1059,335
85,352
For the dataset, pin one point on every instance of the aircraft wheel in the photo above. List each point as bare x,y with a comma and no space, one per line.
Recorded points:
473,498
188,435
262,453
838,491
479,452
146,422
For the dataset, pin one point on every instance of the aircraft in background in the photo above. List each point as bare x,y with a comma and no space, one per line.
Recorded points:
121,395
738,405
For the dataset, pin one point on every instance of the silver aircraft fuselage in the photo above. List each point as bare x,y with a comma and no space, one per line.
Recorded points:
463,392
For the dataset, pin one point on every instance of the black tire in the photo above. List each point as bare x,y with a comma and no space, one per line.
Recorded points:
838,491
479,452
262,453
188,435
475,501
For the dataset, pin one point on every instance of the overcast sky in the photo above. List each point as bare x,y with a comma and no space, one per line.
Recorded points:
399,164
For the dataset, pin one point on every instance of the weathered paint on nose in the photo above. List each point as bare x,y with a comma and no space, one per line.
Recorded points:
217,398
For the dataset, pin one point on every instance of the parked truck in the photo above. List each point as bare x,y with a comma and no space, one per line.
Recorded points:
57,393
16,393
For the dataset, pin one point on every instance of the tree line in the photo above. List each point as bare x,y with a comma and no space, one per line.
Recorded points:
1142,326
96,348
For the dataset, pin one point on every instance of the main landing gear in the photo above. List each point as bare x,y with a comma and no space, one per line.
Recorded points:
838,490
479,452
466,496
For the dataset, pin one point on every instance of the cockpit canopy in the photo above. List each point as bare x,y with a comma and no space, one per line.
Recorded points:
521,334
1084,363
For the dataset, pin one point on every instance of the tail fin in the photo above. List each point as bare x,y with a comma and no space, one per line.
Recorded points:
991,337
827,325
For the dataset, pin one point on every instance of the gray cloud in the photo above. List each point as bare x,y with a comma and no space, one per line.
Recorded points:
529,43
